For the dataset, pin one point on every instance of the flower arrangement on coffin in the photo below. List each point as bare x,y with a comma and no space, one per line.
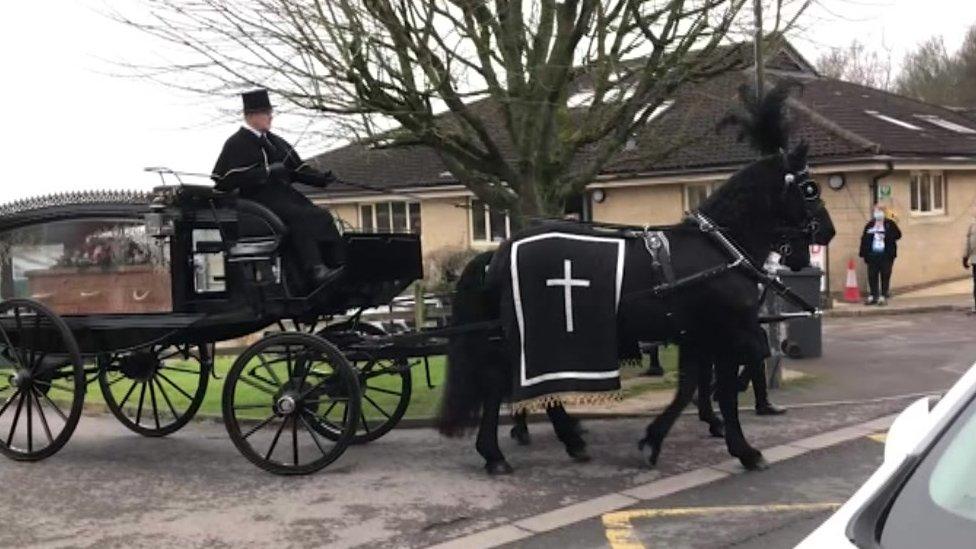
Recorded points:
115,248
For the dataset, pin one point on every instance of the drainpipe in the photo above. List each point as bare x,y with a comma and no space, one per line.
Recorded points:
890,167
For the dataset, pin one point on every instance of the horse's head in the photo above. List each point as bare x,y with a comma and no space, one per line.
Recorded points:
773,203
801,214
804,217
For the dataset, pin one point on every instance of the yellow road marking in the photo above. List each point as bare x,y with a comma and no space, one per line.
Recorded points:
879,437
620,531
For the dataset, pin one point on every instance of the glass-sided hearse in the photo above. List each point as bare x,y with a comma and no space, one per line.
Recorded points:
134,290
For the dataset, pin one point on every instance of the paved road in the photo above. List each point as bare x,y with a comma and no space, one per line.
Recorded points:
774,509
109,487
870,357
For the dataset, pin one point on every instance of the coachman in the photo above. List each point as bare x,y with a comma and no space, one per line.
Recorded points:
262,166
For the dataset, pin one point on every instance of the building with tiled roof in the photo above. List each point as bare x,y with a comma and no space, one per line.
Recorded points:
918,158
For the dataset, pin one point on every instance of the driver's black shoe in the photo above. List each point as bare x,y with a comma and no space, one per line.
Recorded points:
769,409
323,275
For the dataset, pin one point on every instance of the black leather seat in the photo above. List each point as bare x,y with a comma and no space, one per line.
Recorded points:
260,232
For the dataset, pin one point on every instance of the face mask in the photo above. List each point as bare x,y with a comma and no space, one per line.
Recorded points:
878,215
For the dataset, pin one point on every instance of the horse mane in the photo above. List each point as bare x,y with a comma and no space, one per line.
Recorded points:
762,121
764,124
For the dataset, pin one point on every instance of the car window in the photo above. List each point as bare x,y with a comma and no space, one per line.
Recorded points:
953,482
937,506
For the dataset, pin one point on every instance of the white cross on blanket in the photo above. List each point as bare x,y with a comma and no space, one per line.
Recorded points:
567,282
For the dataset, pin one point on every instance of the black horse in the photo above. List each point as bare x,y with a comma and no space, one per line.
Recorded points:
762,207
696,379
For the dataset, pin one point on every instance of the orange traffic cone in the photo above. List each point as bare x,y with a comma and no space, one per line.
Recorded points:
852,294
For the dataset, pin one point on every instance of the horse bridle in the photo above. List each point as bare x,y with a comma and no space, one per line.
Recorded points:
810,192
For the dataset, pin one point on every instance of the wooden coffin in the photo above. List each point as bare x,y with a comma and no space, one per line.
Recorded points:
130,289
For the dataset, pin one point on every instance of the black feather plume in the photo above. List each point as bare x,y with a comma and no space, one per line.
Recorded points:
762,122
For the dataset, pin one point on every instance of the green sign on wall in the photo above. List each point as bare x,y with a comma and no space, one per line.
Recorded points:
884,191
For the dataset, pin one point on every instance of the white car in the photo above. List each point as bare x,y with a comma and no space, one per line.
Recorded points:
924,493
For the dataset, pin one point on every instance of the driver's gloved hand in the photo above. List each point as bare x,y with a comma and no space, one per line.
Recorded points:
278,171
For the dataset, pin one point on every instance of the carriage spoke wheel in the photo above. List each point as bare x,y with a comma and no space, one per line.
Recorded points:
282,393
42,381
386,387
157,391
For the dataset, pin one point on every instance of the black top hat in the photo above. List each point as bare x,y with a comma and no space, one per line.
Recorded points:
256,101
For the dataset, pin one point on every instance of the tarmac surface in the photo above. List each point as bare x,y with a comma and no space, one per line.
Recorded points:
112,488
773,509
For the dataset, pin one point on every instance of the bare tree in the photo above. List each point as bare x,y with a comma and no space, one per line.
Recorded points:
524,101
932,74
855,63
929,73
966,67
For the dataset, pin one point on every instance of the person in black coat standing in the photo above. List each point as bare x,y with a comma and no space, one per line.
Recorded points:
879,248
261,166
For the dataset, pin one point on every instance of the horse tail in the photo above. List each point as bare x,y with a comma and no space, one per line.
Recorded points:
470,356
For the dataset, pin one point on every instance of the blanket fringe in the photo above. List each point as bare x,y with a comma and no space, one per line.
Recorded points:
541,403
630,363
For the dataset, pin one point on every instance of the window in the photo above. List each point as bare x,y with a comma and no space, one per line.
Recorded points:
87,266
893,120
390,217
208,266
618,93
697,193
488,225
936,503
927,192
946,124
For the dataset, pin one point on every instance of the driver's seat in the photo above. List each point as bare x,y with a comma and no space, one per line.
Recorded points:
260,233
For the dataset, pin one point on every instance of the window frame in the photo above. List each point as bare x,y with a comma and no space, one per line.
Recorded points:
915,193
373,225
487,241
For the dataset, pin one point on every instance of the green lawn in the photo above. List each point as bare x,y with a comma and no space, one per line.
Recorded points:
422,404
424,401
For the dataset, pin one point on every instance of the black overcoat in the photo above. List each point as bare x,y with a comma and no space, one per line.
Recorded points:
244,165
892,235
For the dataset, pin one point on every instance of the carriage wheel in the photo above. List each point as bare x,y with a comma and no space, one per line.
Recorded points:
155,392
281,393
386,386
42,381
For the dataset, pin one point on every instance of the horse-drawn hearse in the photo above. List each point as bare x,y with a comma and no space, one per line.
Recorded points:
133,291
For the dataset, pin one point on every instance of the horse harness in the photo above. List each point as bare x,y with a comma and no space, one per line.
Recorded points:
659,249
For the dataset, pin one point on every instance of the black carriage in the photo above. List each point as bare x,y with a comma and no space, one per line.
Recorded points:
134,292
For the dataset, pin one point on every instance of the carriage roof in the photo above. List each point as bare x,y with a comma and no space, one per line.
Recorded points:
53,207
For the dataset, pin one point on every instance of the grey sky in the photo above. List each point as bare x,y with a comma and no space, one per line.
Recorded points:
71,125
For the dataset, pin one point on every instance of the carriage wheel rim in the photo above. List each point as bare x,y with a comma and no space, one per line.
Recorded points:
159,399
273,405
42,394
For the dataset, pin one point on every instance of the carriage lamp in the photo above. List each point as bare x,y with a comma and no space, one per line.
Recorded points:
836,181
159,224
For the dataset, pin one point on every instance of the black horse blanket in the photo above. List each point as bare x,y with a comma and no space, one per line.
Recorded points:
562,293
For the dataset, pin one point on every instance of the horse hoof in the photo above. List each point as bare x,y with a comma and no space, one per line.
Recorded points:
758,463
521,436
495,468
650,449
579,455
717,430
